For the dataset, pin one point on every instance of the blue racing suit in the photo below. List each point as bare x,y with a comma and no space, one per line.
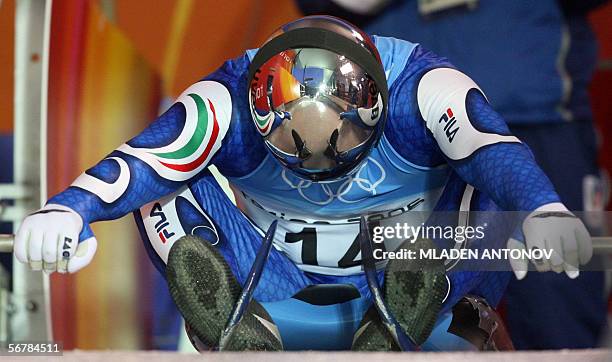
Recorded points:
443,146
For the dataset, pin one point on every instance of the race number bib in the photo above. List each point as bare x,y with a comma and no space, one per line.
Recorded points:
325,246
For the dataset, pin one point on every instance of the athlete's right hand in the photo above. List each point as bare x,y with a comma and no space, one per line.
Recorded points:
48,240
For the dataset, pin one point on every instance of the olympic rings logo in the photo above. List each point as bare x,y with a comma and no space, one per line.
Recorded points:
350,191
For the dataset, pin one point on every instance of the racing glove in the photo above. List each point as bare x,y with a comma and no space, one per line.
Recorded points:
55,238
553,227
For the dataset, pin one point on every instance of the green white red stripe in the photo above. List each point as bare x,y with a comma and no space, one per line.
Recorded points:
208,106
196,139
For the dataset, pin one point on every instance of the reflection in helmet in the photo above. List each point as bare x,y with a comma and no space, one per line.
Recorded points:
319,109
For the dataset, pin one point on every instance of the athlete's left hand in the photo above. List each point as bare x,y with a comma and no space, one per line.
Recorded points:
553,227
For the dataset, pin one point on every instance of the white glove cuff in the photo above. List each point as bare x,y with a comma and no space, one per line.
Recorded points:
553,206
58,207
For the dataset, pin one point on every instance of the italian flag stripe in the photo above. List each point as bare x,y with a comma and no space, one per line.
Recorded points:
198,136
188,167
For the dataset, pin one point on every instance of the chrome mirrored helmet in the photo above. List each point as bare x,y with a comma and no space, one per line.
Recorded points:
318,95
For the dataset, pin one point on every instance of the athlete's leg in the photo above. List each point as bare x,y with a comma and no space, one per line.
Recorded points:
202,209
206,291
487,285
241,241
411,298
205,276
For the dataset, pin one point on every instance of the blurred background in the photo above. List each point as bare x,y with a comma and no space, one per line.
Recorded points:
114,65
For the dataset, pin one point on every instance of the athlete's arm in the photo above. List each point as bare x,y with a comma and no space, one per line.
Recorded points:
171,151
478,144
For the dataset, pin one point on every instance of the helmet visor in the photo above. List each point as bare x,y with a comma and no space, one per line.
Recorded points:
316,109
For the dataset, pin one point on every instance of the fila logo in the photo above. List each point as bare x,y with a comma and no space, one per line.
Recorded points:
162,224
450,124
